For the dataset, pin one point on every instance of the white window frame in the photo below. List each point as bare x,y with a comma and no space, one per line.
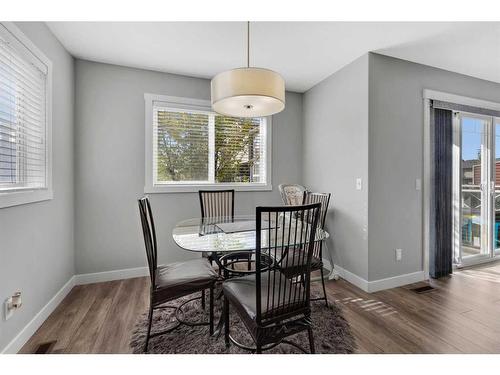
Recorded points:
197,105
29,195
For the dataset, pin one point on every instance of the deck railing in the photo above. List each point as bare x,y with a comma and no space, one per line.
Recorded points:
471,215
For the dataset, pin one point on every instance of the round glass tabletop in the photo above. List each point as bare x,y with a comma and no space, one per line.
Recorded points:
226,234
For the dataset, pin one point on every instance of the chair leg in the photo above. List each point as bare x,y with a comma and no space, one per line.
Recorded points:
212,310
150,321
225,274
324,288
311,340
203,299
226,321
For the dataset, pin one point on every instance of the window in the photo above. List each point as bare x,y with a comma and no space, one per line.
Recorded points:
24,120
189,147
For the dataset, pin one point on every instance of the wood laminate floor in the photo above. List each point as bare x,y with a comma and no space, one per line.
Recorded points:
461,315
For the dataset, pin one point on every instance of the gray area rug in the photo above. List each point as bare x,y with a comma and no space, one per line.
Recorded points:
332,333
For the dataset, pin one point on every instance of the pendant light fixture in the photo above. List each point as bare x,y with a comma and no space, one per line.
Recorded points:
248,92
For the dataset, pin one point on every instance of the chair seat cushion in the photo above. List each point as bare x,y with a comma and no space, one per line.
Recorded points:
241,292
182,278
293,261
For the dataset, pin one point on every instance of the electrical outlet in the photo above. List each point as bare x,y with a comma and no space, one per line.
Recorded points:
11,304
399,255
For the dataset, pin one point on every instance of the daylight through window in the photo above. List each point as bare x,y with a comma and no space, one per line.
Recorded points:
201,147
23,120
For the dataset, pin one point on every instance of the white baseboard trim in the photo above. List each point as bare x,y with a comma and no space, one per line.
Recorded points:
89,278
99,277
22,337
382,284
352,278
394,282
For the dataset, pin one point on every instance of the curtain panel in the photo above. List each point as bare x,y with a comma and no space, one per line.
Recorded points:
441,249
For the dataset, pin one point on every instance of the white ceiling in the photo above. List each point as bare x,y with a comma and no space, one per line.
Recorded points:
303,52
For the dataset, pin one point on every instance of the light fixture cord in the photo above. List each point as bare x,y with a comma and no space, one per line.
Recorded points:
248,44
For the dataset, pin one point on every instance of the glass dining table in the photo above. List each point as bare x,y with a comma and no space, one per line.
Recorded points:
233,238
231,235
227,234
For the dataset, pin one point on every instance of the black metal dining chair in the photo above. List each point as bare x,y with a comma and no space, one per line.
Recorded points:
317,259
292,269
219,206
217,203
272,306
175,280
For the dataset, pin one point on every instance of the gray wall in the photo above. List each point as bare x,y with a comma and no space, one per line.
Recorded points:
37,247
367,117
396,156
335,146
109,156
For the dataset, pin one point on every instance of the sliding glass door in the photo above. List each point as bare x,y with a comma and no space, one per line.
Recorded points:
476,189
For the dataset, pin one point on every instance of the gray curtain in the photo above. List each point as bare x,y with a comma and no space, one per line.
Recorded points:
441,249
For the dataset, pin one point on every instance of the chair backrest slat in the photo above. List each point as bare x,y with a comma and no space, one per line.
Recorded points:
324,199
149,232
287,231
216,203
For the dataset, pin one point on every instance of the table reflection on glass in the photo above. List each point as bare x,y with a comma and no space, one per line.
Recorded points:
227,234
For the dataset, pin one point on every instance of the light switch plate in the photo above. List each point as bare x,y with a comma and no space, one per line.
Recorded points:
418,184
399,255
359,184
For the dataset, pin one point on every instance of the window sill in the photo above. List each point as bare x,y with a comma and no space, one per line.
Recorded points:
181,188
16,198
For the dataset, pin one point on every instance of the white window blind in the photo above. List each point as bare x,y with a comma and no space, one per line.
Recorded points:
197,147
181,152
239,155
23,119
